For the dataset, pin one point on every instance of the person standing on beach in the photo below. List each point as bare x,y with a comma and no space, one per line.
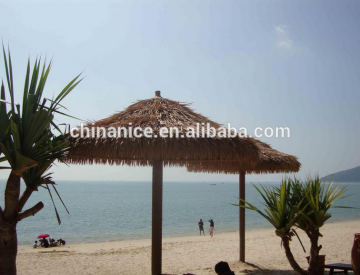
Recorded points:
201,226
211,228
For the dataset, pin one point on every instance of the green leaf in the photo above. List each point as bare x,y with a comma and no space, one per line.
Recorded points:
61,199
4,118
26,87
56,212
8,70
72,84
14,130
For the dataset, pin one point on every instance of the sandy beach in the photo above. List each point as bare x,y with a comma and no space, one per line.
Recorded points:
194,254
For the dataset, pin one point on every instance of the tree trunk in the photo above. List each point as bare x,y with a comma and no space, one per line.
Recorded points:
8,222
314,251
12,193
290,257
24,198
242,215
8,247
157,197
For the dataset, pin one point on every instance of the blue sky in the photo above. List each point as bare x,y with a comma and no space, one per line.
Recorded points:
250,63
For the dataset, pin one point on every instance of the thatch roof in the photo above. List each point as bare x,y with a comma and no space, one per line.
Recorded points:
271,161
155,113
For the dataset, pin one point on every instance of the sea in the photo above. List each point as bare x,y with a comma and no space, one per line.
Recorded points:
108,210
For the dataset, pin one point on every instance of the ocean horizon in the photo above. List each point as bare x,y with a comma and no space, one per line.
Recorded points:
121,210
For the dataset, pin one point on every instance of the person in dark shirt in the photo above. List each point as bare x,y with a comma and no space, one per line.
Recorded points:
201,226
223,268
62,242
211,228
211,223
46,243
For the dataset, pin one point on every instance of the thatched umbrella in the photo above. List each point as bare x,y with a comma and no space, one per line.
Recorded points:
155,113
271,161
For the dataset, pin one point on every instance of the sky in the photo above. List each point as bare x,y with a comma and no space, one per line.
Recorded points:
252,63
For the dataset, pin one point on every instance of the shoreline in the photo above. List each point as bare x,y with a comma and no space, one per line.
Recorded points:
267,227
135,242
194,254
184,237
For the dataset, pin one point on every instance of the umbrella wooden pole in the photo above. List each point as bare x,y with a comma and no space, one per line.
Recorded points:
157,198
242,215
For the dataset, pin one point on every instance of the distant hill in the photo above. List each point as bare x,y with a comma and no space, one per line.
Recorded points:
346,175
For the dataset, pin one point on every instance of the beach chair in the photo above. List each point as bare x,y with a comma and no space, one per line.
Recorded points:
344,268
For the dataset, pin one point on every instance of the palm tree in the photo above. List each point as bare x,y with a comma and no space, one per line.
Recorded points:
281,214
30,147
316,198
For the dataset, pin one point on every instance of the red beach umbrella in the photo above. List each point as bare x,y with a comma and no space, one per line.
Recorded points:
43,236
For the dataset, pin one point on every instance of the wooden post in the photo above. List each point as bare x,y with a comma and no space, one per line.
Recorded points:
242,215
157,197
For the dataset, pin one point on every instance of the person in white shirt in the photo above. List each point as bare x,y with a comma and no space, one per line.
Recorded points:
211,231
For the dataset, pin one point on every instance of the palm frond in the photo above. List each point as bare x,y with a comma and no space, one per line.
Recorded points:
27,141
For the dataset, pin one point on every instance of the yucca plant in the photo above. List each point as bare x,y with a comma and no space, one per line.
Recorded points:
303,205
281,214
28,144
317,199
